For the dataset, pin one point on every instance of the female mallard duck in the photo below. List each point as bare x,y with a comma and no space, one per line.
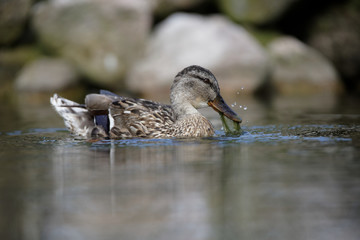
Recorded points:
109,115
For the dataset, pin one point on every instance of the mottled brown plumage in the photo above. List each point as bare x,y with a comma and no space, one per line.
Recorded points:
109,115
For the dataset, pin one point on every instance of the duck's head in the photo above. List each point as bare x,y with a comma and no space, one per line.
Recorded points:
198,87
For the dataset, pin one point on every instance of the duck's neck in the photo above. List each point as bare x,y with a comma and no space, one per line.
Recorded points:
184,109
181,101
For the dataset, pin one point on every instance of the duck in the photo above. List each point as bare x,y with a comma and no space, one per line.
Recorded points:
110,116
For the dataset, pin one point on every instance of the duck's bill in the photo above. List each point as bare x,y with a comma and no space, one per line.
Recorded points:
219,105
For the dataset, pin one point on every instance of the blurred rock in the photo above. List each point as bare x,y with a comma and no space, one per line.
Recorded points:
13,14
13,59
299,69
46,74
256,12
336,34
102,38
214,42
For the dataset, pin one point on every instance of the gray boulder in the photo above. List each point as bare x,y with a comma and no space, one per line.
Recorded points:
102,38
336,34
214,42
13,14
256,12
46,75
13,59
299,69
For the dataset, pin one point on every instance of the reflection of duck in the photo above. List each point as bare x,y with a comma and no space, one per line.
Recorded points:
109,115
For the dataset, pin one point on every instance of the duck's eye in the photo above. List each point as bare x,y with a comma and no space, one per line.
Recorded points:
205,80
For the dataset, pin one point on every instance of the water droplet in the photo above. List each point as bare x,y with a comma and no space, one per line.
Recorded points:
242,88
245,108
240,106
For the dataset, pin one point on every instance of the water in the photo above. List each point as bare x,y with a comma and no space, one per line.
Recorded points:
292,174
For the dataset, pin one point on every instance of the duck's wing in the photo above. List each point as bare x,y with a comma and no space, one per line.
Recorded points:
106,92
76,117
98,106
89,120
139,118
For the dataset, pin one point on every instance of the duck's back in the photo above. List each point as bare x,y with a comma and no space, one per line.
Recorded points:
140,118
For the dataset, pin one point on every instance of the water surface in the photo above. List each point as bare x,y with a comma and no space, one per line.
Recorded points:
292,174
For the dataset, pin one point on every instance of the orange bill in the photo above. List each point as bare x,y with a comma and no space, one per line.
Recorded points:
219,105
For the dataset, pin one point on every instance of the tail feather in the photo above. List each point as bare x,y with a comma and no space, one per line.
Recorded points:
76,117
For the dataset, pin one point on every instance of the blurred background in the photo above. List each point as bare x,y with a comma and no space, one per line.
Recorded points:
289,68
258,47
